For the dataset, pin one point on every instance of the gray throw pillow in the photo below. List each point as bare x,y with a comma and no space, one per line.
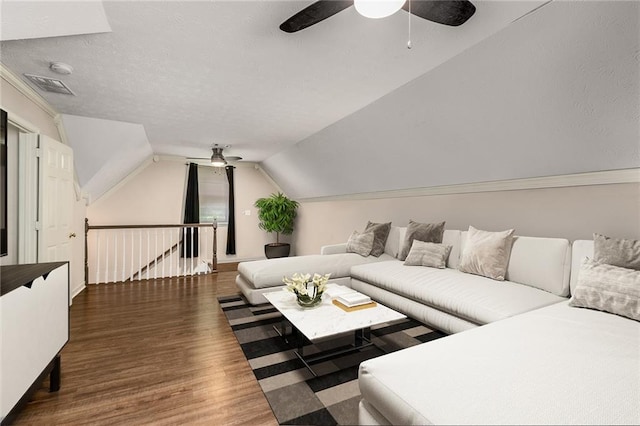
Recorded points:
426,232
360,243
608,288
380,235
487,253
616,252
428,254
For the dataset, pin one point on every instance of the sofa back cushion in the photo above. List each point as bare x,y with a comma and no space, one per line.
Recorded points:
544,263
580,250
452,237
394,240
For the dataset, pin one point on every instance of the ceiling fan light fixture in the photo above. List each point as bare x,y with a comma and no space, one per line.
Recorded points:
378,8
217,159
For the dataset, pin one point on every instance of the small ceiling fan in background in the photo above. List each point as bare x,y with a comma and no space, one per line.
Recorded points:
446,12
217,159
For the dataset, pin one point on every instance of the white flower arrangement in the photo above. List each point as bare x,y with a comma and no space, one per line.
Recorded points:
308,290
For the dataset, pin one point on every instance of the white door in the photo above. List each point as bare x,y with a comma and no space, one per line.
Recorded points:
56,200
28,198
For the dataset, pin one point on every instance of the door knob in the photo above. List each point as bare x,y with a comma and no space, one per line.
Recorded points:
72,235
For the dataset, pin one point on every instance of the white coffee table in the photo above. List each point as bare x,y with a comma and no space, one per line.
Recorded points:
327,320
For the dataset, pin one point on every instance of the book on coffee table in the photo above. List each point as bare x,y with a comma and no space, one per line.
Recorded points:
333,290
353,299
371,304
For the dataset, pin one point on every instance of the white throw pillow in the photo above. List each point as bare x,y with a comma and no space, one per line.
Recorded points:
608,288
428,254
487,253
360,243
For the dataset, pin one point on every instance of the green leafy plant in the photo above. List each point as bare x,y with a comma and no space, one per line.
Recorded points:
276,214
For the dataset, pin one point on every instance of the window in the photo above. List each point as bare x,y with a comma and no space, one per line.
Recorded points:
213,189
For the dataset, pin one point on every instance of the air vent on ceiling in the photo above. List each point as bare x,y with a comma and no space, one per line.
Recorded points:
49,84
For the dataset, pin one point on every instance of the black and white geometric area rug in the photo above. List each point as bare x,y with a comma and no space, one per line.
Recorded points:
295,395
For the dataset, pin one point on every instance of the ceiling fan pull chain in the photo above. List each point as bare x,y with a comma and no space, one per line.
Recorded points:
409,41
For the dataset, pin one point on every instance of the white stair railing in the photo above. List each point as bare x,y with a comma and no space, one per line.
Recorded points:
120,253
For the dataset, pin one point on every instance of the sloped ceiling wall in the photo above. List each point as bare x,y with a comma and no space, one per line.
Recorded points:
24,20
105,151
555,93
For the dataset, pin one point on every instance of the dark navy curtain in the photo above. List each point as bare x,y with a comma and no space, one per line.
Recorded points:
231,228
191,214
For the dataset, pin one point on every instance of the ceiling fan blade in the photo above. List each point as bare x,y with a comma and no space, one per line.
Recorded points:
316,12
446,12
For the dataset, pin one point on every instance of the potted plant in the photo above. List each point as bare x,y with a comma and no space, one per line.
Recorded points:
276,214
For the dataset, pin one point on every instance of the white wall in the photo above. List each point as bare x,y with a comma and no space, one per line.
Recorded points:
250,184
155,195
28,112
555,93
16,103
570,212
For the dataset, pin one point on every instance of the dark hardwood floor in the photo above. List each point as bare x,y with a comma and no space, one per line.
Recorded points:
152,352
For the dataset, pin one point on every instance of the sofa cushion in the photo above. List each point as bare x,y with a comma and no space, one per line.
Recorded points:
486,253
471,297
334,248
580,249
380,234
617,252
427,232
428,254
394,240
555,365
360,243
608,288
269,272
426,314
544,263
453,238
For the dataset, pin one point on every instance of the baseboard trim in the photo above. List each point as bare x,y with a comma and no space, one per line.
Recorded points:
228,267
77,291
607,177
237,260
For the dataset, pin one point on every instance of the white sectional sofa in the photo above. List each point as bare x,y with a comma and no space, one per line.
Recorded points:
454,301
554,365
446,299
535,360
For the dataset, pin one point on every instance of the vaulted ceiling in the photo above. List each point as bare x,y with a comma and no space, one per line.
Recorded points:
193,73
556,93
